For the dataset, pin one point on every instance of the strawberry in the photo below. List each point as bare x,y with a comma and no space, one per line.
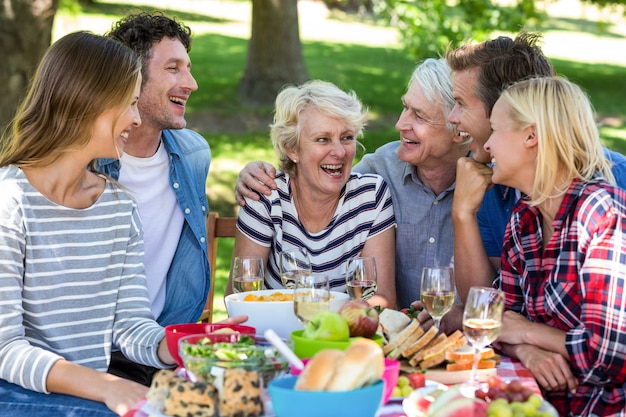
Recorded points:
417,380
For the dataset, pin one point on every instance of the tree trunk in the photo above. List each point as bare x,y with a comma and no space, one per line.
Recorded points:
274,52
25,34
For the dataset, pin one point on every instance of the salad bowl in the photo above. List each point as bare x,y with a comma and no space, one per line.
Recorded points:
204,355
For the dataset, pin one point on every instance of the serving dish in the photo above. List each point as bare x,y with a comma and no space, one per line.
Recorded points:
276,315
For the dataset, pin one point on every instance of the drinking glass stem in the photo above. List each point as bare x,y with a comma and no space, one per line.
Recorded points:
473,375
437,321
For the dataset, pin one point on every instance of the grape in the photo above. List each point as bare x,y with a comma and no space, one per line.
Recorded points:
406,390
510,399
403,381
396,392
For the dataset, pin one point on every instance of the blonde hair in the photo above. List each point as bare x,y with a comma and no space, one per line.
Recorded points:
569,145
325,97
80,76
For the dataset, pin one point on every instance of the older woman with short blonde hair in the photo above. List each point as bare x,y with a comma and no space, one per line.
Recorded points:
320,205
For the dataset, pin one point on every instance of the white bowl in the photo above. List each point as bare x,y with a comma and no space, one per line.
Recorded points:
276,315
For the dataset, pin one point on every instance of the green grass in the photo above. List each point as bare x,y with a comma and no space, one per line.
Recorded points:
378,75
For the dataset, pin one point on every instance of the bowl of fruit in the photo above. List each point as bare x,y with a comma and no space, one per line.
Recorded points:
204,355
337,330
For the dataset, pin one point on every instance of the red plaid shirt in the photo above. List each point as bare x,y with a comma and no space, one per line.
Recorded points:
577,285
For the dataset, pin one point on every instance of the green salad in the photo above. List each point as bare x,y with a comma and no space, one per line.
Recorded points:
201,358
242,350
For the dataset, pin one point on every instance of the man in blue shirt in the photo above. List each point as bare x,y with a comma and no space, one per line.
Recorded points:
165,167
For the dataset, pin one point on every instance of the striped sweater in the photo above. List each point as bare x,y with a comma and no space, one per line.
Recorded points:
364,210
72,283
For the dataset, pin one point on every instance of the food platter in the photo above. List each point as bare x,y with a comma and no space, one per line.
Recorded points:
442,376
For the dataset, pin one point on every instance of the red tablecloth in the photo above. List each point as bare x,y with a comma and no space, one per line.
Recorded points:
508,369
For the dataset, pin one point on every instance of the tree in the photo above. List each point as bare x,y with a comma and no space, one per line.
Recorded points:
274,52
25,34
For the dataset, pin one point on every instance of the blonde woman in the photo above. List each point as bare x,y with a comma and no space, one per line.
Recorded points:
564,255
71,247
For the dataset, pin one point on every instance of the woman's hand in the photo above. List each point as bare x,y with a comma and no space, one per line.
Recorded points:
122,394
550,369
514,326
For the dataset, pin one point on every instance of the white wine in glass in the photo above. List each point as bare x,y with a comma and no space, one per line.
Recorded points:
482,320
361,279
437,291
294,262
248,274
311,295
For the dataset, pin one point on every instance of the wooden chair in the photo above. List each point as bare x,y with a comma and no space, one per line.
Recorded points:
217,227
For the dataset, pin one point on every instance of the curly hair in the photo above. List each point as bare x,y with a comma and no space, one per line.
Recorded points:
141,31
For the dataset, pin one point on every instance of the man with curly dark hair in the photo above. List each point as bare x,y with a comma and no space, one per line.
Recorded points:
165,167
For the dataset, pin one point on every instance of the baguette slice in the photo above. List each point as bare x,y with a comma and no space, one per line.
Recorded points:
412,338
420,343
436,357
434,340
401,337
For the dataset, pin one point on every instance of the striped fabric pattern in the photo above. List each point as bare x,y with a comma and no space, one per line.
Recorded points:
364,210
71,283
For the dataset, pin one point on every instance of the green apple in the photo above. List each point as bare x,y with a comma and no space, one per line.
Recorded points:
327,325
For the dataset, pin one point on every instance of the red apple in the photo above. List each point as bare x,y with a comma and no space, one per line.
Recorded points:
361,317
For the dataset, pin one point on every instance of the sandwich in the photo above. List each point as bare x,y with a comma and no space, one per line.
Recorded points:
462,359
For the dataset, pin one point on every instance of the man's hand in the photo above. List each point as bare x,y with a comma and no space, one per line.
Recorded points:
473,179
255,176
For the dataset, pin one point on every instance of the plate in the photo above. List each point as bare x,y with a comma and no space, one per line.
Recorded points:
457,377
417,402
411,403
427,385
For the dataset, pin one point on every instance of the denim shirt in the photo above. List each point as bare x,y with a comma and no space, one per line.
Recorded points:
188,277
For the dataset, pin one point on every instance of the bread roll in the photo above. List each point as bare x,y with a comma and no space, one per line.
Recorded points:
362,364
319,370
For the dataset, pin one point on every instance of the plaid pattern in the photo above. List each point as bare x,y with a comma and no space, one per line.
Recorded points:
576,284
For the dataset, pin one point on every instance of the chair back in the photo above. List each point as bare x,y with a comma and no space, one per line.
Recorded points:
217,227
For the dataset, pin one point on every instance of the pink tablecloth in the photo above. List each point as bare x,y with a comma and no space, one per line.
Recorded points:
508,369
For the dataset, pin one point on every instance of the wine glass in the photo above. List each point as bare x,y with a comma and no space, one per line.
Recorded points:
361,277
311,295
294,262
482,320
248,274
437,291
